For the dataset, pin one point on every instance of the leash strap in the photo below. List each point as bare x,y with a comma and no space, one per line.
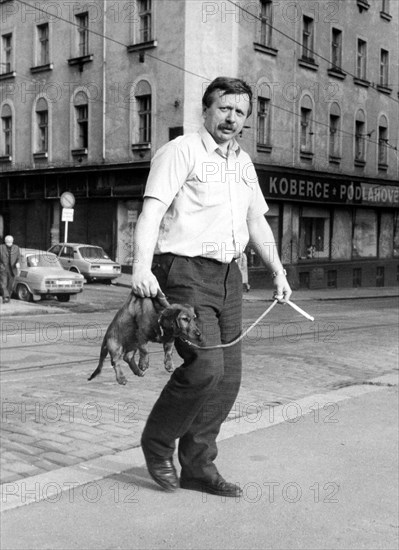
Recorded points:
242,335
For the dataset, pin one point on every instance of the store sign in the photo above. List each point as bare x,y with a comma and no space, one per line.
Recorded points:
313,189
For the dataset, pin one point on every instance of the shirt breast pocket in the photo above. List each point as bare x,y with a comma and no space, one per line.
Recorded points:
211,192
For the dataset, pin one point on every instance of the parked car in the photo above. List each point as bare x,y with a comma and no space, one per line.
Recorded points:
89,260
42,275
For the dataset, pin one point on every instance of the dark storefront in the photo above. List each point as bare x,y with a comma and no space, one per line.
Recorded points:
332,231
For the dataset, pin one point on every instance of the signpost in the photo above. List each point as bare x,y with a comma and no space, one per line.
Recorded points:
67,202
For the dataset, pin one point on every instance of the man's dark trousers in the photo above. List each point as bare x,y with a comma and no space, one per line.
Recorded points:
200,393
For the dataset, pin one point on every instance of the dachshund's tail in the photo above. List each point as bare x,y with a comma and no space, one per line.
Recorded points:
103,355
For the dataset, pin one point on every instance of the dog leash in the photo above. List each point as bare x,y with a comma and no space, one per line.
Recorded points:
258,320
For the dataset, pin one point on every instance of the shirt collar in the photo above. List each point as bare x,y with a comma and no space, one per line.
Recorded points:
211,145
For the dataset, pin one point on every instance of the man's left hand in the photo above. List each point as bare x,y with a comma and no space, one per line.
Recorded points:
283,290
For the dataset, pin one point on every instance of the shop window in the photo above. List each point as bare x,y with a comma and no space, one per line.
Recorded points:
304,279
380,276
357,277
341,245
396,235
386,235
332,278
273,219
314,234
364,241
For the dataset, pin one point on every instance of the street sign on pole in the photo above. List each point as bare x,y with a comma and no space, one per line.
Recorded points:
67,216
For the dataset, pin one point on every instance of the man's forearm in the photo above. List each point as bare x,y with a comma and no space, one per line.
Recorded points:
263,242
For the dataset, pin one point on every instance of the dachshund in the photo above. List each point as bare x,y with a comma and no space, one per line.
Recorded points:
143,320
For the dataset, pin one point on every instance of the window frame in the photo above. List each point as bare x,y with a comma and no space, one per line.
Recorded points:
336,50
361,59
43,45
82,20
308,31
384,68
7,51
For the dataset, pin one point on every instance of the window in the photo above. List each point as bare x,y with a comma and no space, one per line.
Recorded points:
336,48
314,233
6,53
43,57
361,64
144,112
82,21
42,126
6,129
263,137
364,240
384,64
334,128
81,107
360,134
266,21
307,38
383,143
145,20
357,277
306,130
142,123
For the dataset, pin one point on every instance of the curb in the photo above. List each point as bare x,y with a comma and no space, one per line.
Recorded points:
51,485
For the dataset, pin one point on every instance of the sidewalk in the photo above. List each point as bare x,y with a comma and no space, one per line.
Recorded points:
309,481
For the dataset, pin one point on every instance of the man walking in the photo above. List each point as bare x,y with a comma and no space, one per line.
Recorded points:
202,204
9,266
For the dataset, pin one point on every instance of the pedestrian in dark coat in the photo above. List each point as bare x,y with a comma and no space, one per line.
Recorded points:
9,266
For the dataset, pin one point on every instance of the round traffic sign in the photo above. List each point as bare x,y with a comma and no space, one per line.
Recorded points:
67,200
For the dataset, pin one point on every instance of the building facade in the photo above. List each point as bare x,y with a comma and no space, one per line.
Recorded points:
90,90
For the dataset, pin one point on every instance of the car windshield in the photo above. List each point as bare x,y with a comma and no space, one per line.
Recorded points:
43,260
93,253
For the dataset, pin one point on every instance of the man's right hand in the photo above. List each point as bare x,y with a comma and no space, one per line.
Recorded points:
144,283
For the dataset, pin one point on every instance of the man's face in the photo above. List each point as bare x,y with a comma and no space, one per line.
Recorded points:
8,241
226,116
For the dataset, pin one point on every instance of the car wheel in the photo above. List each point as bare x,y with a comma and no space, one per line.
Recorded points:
74,270
24,293
63,297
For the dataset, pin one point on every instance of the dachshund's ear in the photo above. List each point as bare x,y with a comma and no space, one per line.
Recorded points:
168,317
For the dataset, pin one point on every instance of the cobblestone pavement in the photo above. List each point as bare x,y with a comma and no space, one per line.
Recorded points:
53,417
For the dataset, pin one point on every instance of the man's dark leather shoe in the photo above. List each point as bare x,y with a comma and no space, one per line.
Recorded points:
218,486
162,471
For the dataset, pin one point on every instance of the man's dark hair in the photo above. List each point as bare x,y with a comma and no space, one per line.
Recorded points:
228,86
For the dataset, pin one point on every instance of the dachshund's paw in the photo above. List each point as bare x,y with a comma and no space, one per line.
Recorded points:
121,379
169,366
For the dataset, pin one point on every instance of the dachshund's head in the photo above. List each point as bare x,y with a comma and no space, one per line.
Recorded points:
179,320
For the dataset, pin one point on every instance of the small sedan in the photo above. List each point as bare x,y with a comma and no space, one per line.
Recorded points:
42,275
89,260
